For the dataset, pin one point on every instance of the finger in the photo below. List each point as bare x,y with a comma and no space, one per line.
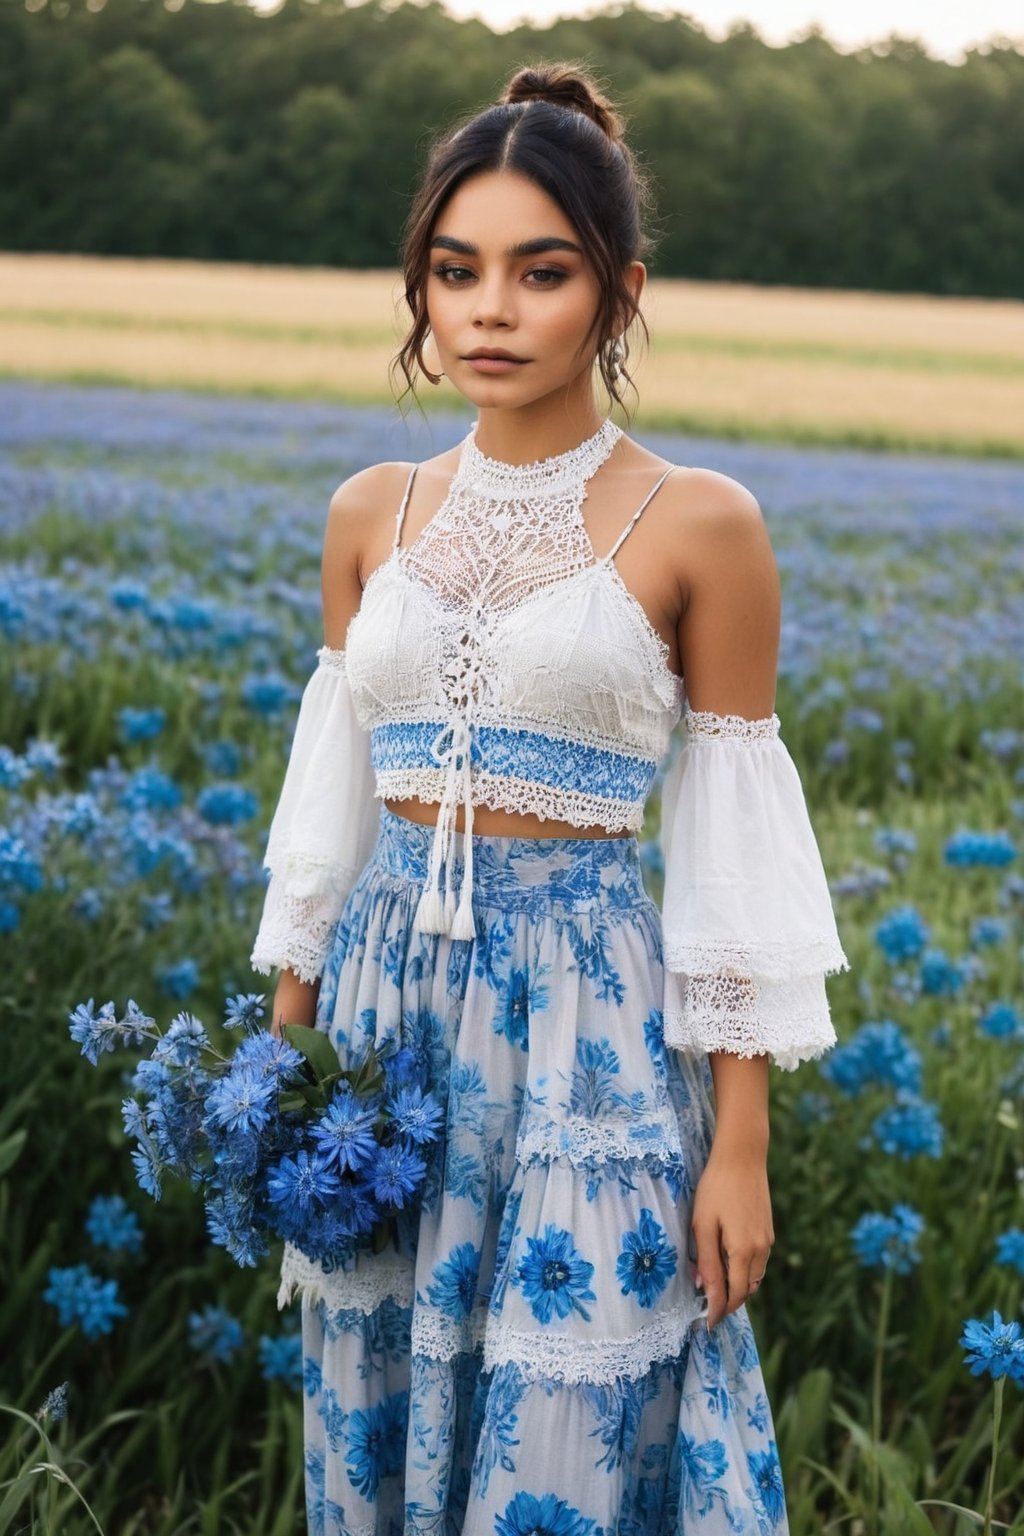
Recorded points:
712,1278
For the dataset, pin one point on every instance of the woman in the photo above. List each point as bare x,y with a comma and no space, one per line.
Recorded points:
557,1340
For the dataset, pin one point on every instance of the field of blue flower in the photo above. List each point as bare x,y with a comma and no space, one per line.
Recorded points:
159,607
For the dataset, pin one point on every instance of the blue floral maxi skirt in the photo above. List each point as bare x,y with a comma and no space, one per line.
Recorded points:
530,1357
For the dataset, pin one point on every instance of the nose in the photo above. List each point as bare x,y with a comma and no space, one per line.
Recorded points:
492,303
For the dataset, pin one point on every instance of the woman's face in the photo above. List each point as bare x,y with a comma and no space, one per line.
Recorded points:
481,292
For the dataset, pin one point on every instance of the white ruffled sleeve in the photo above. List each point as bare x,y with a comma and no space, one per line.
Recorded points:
324,827
747,920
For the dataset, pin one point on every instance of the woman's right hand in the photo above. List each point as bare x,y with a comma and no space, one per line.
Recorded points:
294,1002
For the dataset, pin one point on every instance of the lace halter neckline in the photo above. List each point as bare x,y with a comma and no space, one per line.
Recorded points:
559,472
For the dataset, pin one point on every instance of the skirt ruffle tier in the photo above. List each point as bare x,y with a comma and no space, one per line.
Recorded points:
531,1355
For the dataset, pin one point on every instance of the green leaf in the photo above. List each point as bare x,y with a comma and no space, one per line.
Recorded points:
316,1048
10,1150
972,1514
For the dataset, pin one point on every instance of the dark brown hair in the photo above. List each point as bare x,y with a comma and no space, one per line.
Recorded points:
555,125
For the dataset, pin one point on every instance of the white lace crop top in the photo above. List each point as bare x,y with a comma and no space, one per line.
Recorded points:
495,660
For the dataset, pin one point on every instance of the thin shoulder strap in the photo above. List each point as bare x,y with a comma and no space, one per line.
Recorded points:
405,502
636,515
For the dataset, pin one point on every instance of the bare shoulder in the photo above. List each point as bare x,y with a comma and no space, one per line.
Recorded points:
359,519
713,504
369,494
716,534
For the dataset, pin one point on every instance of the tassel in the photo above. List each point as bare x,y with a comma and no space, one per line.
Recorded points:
463,926
429,913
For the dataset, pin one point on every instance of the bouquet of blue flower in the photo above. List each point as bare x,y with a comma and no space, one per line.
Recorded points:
281,1140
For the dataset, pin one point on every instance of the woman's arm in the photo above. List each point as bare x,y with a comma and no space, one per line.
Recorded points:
728,645
354,504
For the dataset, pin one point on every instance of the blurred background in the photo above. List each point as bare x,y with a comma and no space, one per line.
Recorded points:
200,213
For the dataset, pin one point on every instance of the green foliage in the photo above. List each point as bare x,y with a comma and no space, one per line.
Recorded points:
217,132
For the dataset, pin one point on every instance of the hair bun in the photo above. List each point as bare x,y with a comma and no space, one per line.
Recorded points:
565,85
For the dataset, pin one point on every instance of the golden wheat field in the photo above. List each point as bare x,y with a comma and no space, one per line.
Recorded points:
798,365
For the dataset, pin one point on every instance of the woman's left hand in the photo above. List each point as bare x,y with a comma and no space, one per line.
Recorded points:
732,1227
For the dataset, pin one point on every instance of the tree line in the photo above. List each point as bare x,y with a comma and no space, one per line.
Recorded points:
210,130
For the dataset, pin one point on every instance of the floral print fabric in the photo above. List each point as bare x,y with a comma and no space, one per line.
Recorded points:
531,1355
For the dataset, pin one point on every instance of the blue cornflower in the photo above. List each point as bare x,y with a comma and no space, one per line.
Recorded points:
352,1210
647,1260
14,770
214,1333
901,934
877,1052
150,789
996,1348
343,1136
529,1515
43,756
453,1287
244,1011
81,1296
301,1183
267,1056
156,910
395,1175
229,1221
1010,1248
940,976
242,1100
141,724
554,1276
281,1358
54,1405
909,1126
19,867
227,804
88,904
265,695
895,840
988,930
888,1242
970,850
111,1224
223,758
184,1041
99,1032
10,916
416,1115
178,980
1001,1020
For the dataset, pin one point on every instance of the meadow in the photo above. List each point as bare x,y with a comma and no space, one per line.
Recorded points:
803,366
159,605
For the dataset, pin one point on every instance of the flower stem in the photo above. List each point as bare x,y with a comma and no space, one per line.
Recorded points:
876,1394
997,1413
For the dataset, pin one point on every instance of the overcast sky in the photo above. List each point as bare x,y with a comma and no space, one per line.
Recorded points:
946,27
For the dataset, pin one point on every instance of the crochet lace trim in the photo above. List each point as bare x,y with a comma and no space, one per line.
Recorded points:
581,1140
361,1289
516,795
704,724
295,932
332,659
440,1337
549,1357
790,1021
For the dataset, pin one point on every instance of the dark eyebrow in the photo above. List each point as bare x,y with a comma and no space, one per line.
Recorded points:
524,248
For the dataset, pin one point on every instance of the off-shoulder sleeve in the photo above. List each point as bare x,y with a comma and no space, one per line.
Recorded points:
323,829
747,919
